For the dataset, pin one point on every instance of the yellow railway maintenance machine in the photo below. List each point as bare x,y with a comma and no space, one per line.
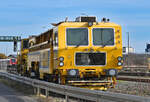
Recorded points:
83,53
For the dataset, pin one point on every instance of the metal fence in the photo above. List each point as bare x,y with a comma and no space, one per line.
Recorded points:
3,64
79,93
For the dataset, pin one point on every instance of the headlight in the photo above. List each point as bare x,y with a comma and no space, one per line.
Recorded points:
112,72
61,64
119,63
73,72
90,23
119,58
61,58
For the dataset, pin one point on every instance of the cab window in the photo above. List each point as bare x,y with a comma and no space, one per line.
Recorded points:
56,39
103,36
77,36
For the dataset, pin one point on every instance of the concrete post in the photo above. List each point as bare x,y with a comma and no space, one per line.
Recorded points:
46,93
38,91
66,98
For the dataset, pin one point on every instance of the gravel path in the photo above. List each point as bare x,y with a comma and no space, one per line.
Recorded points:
134,88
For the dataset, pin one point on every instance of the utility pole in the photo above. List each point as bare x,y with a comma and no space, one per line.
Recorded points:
128,49
128,42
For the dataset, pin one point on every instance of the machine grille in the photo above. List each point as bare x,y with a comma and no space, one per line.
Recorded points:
90,58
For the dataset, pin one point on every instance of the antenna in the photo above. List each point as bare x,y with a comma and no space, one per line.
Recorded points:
66,19
84,14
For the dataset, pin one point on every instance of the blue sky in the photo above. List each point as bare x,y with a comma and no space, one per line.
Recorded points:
32,17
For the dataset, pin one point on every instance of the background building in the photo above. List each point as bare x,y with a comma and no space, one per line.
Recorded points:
125,50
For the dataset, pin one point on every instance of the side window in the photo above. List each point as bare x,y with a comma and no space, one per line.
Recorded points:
56,39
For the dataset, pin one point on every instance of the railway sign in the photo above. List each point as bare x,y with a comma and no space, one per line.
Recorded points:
10,38
14,39
147,48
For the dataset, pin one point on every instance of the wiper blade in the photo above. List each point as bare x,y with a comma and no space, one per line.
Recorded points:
105,43
79,43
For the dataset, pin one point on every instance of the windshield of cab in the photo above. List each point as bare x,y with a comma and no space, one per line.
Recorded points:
103,36
13,60
77,36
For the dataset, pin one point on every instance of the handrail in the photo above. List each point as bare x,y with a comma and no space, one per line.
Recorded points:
69,91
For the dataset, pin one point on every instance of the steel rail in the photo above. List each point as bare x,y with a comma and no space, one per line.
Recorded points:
134,79
80,93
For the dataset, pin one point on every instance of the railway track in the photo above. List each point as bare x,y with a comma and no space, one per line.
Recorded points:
134,78
133,74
